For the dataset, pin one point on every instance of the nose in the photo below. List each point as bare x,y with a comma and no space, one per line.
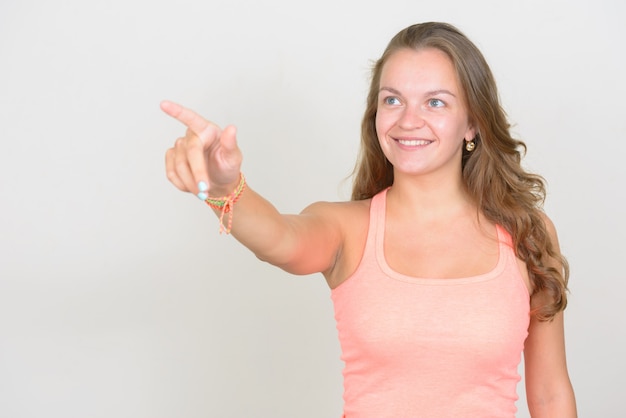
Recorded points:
411,118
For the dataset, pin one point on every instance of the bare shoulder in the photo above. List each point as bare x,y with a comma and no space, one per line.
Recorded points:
338,208
345,217
351,220
554,240
550,228
339,215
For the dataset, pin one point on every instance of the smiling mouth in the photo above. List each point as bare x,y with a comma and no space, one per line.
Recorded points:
413,142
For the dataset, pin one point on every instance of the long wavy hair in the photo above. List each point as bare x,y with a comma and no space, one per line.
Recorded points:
503,191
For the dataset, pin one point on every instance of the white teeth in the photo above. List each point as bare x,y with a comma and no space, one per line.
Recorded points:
413,142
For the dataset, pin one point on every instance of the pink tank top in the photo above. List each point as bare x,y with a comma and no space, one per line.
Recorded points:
423,347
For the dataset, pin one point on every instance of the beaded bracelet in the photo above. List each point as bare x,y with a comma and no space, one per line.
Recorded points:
225,204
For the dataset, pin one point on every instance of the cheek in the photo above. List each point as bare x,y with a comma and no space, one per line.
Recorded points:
381,124
450,127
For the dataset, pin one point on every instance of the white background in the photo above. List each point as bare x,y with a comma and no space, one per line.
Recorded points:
118,297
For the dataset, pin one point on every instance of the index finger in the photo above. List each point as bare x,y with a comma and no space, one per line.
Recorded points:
188,117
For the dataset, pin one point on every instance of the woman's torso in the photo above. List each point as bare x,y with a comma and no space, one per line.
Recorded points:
433,346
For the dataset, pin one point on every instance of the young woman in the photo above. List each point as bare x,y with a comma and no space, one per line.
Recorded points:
443,267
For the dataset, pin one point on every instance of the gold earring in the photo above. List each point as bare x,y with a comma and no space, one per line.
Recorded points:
470,145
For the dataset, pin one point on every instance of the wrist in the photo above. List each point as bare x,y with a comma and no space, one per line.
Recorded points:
226,202
222,190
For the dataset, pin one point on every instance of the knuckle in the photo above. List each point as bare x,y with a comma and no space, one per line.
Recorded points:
212,130
171,175
180,166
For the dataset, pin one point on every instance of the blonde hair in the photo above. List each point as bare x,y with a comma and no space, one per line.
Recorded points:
504,192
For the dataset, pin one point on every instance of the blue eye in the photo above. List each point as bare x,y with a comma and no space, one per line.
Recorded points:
435,103
391,100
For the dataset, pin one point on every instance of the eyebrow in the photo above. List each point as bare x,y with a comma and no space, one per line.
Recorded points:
428,93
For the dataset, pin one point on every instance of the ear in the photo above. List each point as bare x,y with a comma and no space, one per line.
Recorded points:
470,133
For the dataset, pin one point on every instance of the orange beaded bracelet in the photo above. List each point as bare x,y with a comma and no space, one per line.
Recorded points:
225,204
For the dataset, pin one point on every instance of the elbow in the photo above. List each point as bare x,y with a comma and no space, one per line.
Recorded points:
283,262
558,404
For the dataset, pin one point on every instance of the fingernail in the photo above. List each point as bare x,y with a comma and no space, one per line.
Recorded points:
202,196
202,186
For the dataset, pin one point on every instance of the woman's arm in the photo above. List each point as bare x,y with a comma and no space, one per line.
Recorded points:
549,391
207,162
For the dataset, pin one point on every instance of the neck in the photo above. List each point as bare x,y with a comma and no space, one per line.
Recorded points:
430,196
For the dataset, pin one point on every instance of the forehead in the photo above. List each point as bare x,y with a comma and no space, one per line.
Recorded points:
428,68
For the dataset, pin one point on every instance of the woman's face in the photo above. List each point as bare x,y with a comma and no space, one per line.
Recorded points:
421,118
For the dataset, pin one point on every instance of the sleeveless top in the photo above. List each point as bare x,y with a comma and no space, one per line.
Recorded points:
425,347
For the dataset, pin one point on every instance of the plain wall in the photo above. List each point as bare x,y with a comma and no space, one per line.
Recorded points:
118,297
